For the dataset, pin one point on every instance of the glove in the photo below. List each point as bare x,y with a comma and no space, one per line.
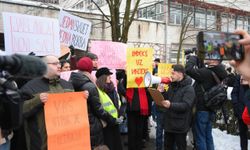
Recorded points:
119,120
165,80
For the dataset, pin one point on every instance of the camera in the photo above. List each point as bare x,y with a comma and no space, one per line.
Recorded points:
214,45
16,66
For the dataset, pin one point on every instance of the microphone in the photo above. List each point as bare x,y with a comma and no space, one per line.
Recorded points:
23,66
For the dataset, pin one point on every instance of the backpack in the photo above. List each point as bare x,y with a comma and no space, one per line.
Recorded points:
216,96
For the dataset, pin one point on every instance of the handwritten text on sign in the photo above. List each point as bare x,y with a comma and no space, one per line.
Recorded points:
74,30
24,34
110,54
66,119
139,61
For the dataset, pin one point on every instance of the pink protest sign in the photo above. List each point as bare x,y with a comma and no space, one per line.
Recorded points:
110,54
24,34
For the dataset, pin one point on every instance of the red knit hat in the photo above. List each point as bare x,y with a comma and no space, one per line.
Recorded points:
85,64
246,116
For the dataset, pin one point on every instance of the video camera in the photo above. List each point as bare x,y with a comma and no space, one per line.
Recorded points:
15,66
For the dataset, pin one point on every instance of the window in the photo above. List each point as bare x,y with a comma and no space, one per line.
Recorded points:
188,11
248,26
200,18
231,23
175,14
224,22
240,22
211,19
155,12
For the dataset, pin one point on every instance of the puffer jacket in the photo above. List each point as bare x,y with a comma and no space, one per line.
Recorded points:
95,110
177,119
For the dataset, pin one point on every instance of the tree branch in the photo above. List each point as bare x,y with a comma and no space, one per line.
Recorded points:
101,10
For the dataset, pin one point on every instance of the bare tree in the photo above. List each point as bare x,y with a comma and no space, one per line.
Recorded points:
120,27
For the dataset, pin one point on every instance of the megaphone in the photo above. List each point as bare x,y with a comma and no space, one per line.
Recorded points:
149,79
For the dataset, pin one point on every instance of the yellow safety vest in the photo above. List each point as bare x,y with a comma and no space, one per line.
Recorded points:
107,104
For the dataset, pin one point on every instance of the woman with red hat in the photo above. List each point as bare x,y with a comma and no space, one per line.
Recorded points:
81,81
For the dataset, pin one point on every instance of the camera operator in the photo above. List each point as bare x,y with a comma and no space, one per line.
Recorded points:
203,117
33,109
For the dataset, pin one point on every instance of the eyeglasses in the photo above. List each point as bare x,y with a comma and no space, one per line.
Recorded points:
55,63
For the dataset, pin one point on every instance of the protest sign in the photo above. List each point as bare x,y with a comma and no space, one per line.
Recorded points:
110,54
139,61
74,30
66,119
164,70
24,34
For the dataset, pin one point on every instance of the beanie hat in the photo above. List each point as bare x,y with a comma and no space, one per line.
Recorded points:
85,64
178,68
92,56
102,71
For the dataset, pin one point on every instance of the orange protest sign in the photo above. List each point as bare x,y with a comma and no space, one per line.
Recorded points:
66,120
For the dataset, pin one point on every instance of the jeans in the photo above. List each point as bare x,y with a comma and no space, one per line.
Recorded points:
159,130
203,130
5,146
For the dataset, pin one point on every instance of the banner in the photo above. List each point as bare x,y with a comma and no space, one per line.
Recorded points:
139,61
24,34
110,54
74,30
164,70
66,119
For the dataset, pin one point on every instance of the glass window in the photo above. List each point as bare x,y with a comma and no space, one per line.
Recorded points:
240,22
211,19
152,12
248,26
200,18
224,22
175,14
188,11
231,23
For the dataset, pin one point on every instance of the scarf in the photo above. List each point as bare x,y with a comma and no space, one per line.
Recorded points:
142,99
87,74
109,87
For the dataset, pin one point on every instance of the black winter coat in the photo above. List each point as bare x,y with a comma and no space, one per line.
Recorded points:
203,77
95,110
177,119
238,95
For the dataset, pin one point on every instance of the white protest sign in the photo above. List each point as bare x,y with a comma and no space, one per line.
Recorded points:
74,30
24,34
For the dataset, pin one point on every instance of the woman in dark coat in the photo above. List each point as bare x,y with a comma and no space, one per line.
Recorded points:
111,103
81,81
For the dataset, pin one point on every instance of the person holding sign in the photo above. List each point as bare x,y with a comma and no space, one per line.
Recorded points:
33,109
178,103
111,103
81,81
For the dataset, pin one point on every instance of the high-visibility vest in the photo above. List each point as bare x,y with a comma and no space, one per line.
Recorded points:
107,104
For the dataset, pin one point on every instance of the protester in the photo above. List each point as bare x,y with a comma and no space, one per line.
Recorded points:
121,88
238,101
138,110
65,65
204,80
178,105
111,103
81,81
33,109
94,59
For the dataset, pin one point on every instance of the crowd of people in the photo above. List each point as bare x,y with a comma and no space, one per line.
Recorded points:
113,111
